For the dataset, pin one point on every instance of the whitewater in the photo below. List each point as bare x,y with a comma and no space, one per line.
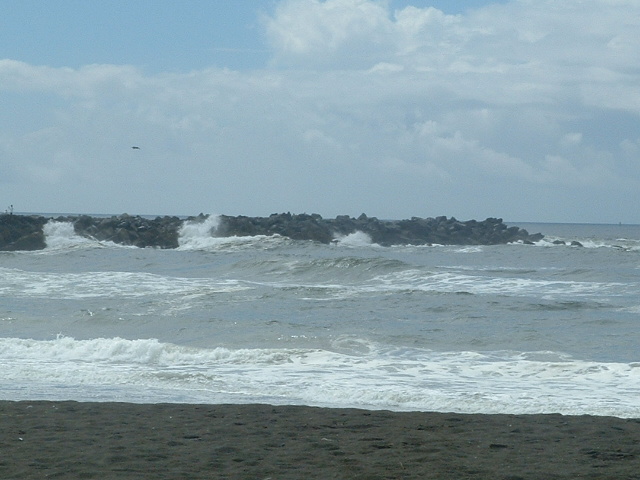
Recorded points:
544,328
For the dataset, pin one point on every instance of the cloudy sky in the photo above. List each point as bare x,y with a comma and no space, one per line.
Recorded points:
527,110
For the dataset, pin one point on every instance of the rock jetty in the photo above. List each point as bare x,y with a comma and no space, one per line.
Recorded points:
20,232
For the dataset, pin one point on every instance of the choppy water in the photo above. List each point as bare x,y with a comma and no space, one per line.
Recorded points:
508,328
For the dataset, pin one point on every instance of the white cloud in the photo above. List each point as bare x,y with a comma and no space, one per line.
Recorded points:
630,148
571,139
305,29
561,170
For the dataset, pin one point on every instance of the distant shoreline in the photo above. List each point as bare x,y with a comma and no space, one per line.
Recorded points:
184,217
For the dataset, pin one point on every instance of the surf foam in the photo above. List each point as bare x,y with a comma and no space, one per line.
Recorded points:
61,235
374,377
196,235
355,239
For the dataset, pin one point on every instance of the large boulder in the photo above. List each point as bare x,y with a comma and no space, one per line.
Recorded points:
20,232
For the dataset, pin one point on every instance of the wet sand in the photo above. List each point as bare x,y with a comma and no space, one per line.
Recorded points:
71,440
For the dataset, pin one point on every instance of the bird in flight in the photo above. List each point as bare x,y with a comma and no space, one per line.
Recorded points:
135,148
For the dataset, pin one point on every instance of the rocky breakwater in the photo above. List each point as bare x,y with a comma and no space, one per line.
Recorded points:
21,232
18,232
416,231
160,232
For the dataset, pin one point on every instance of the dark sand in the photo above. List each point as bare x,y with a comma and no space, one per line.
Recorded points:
70,440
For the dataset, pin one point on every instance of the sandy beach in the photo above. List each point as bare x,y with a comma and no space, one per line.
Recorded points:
169,441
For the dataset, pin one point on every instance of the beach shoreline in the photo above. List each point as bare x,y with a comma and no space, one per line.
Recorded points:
67,439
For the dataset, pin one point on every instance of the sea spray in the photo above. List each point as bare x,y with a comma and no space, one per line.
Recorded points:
203,235
61,235
198,234
355,239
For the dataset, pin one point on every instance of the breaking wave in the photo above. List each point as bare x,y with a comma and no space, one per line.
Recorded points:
369,376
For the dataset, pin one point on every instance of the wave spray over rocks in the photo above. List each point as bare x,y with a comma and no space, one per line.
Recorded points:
26,232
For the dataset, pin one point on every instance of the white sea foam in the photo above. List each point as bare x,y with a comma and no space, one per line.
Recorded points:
355,239
61,235
233,244
470,249
625,244
196,235
367,377
449,282
116,284
17,283
201,236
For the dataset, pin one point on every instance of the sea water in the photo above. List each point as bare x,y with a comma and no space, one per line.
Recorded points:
480,329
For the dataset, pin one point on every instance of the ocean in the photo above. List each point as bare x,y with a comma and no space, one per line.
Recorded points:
515,328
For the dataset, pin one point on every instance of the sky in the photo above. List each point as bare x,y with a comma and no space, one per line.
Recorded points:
527,110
